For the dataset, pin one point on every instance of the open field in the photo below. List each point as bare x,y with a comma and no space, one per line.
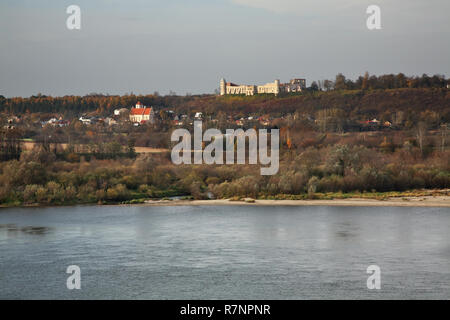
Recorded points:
29,145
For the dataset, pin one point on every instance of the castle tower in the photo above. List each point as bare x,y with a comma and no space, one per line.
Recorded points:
223,87
277,87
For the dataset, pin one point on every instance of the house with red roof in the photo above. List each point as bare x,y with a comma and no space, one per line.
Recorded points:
141,113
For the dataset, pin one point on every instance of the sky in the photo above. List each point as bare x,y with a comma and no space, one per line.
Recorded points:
143,46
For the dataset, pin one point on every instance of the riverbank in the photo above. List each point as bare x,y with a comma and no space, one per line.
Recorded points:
428,201
414,198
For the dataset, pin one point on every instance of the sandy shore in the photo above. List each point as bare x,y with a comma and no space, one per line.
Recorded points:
428,201
425,201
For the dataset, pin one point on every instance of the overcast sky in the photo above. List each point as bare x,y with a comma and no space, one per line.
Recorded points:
186,46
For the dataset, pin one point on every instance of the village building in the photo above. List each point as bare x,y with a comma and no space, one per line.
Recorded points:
56,122
118,112
13,119
198,115
142,114
85,120
110,121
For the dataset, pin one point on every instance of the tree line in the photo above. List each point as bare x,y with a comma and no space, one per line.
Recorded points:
386,81
105,104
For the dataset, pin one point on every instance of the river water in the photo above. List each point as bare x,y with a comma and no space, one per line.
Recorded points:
225,252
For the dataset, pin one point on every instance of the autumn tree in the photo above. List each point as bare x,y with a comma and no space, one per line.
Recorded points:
365,81
340,83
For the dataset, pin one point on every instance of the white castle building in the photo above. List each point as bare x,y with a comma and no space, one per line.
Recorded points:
295,85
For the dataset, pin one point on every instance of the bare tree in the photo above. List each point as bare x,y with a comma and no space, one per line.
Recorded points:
328,85
420,134
444,130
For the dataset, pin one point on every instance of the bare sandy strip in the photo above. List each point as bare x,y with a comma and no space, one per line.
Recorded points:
428,201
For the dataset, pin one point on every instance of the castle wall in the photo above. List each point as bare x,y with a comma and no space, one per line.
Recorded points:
295,85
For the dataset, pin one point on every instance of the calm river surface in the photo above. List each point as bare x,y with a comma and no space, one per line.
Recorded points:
224,252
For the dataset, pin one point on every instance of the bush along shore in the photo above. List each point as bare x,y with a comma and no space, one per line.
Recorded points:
332,172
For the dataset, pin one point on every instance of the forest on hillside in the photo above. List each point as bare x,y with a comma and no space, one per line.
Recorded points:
373,137
368,95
